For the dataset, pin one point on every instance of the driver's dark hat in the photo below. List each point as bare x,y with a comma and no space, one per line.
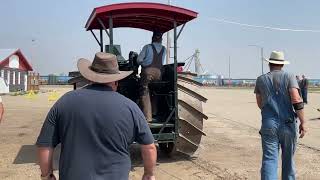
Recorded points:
157,34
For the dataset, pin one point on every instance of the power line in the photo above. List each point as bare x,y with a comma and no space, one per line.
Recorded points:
189,58
263,27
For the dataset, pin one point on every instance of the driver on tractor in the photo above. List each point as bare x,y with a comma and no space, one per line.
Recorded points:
151,58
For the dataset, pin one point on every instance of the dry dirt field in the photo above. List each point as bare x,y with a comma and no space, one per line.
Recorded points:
231,149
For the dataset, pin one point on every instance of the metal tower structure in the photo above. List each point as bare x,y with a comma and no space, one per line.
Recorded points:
197,64
195,58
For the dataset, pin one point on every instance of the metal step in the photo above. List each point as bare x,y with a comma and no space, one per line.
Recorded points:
153,125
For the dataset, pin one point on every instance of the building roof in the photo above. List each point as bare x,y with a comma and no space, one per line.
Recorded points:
148,16
6,53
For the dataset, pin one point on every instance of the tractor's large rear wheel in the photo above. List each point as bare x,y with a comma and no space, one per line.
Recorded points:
190,118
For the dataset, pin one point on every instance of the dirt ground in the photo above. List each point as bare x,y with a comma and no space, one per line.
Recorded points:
231,149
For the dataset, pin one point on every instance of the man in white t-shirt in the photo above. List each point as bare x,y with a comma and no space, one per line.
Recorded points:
1,109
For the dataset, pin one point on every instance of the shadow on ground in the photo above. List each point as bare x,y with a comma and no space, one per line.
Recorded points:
27,154
163,158
315,119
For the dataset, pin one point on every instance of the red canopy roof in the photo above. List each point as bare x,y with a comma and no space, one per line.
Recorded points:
148,16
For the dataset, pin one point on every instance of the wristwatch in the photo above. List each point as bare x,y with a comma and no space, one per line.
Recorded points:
47,176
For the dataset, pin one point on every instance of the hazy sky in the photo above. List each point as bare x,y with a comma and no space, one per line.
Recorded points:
57,28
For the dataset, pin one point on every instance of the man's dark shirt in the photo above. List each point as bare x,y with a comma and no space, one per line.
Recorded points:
95,127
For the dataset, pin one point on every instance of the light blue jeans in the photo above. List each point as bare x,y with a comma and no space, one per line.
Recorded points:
284,137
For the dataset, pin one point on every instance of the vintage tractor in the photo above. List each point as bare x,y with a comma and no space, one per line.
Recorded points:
177,105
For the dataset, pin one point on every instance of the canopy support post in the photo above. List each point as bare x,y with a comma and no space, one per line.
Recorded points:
103,26
181,30
110,34
175,80
95,37
101,41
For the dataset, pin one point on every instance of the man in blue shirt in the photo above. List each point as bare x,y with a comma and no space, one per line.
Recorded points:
151,58
145,57
304,89
95,126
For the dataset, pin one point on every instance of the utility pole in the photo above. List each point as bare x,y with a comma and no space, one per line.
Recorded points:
229,71
262,60
33,48
168,42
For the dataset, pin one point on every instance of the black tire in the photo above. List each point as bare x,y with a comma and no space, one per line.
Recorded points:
167,148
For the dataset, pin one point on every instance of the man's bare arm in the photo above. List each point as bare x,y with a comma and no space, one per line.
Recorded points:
149,156
45,155
259,100
298,103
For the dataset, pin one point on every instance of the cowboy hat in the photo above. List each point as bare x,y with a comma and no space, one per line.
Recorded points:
103,69
277,57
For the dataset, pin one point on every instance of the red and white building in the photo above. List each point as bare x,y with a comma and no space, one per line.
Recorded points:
14,69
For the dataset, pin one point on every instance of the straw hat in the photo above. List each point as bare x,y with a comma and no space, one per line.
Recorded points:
277,57
103,69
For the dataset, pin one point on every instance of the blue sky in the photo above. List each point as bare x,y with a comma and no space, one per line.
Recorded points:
57,28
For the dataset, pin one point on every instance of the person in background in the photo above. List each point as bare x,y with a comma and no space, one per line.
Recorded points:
95,126
304,89
298,80
151,58
1,109
299,83
279,100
